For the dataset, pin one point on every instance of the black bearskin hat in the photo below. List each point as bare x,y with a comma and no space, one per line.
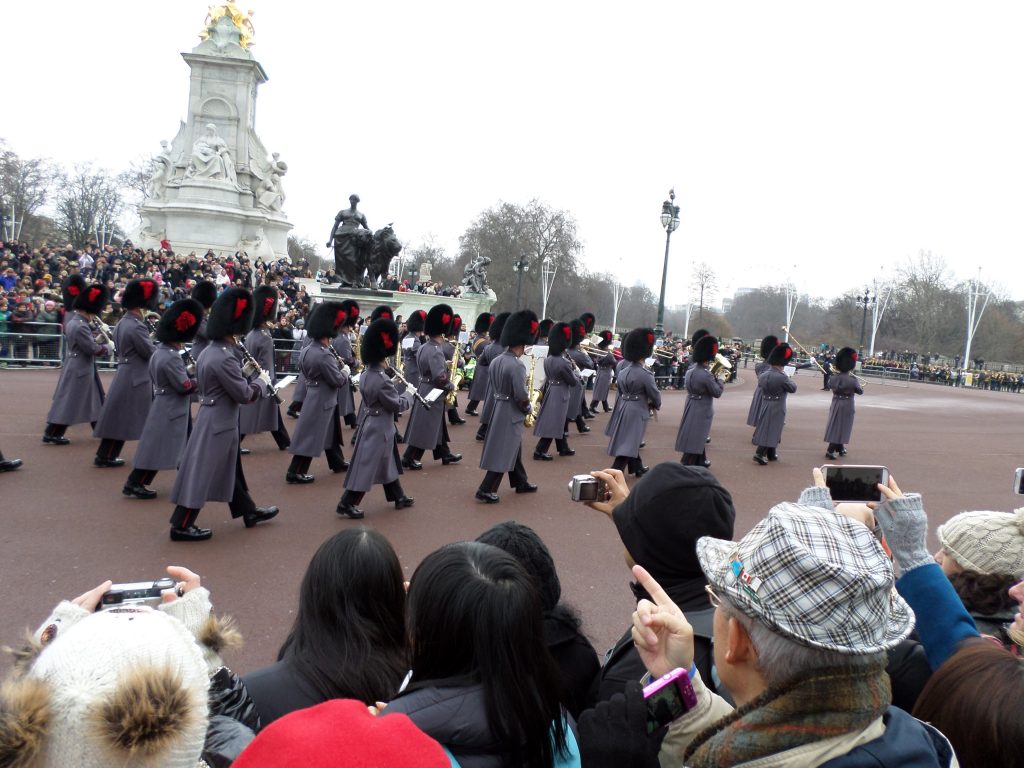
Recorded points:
71,289
606,339
141,294
768,343
438,319
545,327
781,355
205,292
483,322
559,339
379,342
381,312
455,328
326,319
264,299
180,323
497,325
846,359
699,334
521,328
638,344
588,321
416,322
579,331
92,299
705,349
351,308
231,314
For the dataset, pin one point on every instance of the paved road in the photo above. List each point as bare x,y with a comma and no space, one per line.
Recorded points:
67,526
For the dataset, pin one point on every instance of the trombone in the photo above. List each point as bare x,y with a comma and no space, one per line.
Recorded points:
813,359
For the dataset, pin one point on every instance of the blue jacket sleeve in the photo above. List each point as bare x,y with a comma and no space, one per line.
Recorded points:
942,620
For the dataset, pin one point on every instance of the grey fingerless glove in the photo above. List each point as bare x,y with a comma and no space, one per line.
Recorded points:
817,497
905,526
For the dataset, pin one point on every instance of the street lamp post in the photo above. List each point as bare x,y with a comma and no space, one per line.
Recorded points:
520,265
670,221
414,272
866,301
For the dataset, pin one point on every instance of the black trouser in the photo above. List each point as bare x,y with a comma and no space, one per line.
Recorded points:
141,477
241,503
482,432
835,447
392,492
561,443
629,463
765,451
280,434
453,414
295,406
581,424
694,459
109,449
471,406
516,477
55,430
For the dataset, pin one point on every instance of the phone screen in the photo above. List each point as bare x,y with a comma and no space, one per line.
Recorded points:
1018,482
855,483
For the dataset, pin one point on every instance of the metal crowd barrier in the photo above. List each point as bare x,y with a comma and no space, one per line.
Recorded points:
31,345
882,374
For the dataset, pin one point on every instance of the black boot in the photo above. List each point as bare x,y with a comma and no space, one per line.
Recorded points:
759,455
347,506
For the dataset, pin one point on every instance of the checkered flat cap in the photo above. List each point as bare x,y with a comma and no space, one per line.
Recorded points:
812,575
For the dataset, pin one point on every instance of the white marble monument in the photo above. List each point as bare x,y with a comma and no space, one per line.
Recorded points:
215,185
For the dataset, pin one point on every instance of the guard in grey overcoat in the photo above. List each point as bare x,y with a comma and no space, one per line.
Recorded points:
605,368
211,469
452,347
205,292
414,331
169,421
79,394
638,397
127,403
264,415
491,351
299,388
560,379
427,428
342,344
578,411
503,448
775,385
844,386
702,388
478,387
319,427
375,460
768,343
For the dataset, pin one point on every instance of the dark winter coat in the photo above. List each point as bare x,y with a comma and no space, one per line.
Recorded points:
603,382
511,402
840,414
702,388
165,432
263,415
324,379
376,459
637,395
559,384
79,394
127,403
775,386
491,353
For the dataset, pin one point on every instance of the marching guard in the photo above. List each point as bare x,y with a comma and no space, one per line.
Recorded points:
319,427
702,388
78,397
478,387
212,467
775,385
638,398
342,344
127,403
491,352
578,410
605,368
452,347
169,420
503,448
205,292
768,343
844,386
560,380
414,330
264,415
375,460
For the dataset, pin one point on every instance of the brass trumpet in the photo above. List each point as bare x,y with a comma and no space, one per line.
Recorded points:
814,359
720,365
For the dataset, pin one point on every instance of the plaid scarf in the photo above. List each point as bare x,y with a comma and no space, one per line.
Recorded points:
810,708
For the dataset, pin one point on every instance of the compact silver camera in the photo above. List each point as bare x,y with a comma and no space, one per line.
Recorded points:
586,488
137,593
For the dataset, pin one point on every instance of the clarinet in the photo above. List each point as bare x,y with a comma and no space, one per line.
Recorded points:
102,331
415,392
248,358
189,361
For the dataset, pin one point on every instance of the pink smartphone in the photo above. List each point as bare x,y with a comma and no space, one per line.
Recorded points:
668,698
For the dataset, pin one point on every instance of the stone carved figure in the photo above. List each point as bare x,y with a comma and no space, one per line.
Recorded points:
475,275
163,167
385,248
211,158
352,241
270,193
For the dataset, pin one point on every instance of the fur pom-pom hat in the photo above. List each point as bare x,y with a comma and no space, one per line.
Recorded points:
121,687
70,289
379,342
351,308
141,294
559,339
326,319
606,339
205,292
231,314
846,359
439,318
180,323
589,320
521,328
498,325
699,334
768,343
579,331
455,328
265,300
383,311
638,344
483,322
780,355
417,320
705,349
92,299
545,327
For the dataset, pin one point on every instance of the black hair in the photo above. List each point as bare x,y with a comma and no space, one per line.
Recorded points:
984,594
348,640
475,616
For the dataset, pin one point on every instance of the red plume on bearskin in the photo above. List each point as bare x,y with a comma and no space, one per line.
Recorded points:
148,286
650,338
241,304
385,338
180,322
534,328
74,290
268,305
340,318
185,321
353,311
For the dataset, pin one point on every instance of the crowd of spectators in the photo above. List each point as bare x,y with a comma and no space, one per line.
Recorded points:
405,285
949,375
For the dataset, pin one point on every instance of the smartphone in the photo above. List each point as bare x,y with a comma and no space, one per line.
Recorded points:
854,483
669,698
1018,481
135,593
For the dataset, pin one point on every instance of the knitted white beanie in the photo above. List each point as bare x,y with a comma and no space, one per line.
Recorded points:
986,542
126,687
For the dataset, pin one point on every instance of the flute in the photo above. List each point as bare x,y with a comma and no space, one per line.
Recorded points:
248,358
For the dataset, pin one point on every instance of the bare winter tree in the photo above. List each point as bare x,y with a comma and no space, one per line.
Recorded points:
24,183
704,286
89,200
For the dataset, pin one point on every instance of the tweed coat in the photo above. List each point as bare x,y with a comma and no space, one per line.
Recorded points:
490,354
79,394
207,471
637,395
560,382
299,389
263,415
775,386
165,433
426,428
583,362
755,400
603,382
702,388
127,403
478,387
376,460
511,402
324,379
840,414
346,395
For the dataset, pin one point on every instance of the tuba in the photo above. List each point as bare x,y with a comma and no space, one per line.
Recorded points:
720,365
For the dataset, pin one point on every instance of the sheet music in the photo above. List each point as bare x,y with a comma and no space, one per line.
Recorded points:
284,382
433,395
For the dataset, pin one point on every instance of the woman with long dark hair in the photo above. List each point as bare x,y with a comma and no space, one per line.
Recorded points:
483,683
348,640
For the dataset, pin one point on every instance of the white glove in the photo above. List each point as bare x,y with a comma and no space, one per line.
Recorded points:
346,370
248,369
265,379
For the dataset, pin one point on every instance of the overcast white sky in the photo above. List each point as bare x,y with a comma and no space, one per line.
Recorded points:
813,141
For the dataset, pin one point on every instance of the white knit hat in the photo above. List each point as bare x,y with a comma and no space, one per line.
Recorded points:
126,686
986,542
